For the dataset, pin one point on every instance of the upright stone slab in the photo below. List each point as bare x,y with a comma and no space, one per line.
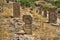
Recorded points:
16,10
40,10
52,15
47,16
28,24
45,13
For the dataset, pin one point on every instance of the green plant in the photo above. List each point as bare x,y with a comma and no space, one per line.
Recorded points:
57,3
27,3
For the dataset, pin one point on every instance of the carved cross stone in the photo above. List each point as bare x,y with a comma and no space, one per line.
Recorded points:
45,13
28,24
16,10
52,15
40,10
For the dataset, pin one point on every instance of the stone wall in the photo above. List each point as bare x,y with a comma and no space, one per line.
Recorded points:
40,11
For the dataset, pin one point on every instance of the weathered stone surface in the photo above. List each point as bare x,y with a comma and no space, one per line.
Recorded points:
52,15
27,28
1,9
22,37
27,19
28,24
15,24
45,13
16,10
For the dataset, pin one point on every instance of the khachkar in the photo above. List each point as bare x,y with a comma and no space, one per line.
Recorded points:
41,11
45,13
28,24
16,9
53,15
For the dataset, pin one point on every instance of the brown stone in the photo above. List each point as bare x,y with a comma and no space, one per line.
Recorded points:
52,15
27,19
27,28
16,10
40,11
45,13
28,24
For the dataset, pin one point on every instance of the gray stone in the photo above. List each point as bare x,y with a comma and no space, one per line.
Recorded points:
29,37
16,23
22,37
28,24
11,29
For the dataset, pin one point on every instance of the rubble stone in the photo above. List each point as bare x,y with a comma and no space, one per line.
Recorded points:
15,24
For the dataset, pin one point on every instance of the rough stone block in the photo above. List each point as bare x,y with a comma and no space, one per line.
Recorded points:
16,10
52,15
